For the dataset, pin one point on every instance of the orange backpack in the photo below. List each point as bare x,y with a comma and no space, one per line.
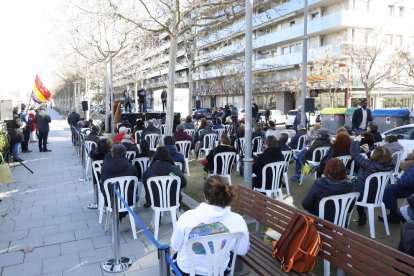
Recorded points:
298,246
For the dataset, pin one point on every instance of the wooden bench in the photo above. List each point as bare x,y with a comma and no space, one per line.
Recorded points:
344,249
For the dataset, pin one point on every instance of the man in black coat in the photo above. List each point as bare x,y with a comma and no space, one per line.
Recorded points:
164,100
360,118
127,99
116,165
74,118
142,94
42,123
271,154
225,146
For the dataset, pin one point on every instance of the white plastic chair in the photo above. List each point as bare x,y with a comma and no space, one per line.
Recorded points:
352,170
342,204
227,129
216,251
220,131
301,144
287,154
152,139
129,130
321,151
162,128
259,142
227,160
96,169
130,154
183,147
378,144
180,165
190,132
88,146
162,185
382,179
141,164
208,143
124,183
396,173
345,159
276,169
138,135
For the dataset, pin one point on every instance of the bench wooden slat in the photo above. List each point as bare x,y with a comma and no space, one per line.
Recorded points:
354,253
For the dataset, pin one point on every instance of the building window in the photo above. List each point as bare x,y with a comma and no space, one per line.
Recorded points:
390,10
401,11
291,23
285,50
322,41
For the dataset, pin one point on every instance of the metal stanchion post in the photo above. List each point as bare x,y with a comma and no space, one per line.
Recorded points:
118,263
83,163
162,254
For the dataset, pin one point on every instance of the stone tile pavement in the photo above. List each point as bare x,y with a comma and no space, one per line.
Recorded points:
45,227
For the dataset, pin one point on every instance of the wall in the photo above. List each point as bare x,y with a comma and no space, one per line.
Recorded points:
180,101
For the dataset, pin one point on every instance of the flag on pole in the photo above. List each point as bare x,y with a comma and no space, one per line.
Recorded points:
40,93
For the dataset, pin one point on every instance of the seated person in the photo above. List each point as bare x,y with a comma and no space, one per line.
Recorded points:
224,146
145,150
295,139
151,128
307,153
340,147
271,130
407,211
125,123
120,135
204,132
180,135
129,144
283,138
392,144
115,165
334,181
402,189
161,165
93,135
201,127
373,128
188,124
271,154
218,124
176,156
313,134
138,126
212,216
380,161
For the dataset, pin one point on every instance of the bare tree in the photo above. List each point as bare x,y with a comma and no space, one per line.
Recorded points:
173,17
324,74
406,66
374,61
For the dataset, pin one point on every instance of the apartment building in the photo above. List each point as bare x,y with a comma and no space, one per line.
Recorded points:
333,25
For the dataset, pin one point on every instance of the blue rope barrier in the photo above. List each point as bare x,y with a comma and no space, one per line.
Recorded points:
149,234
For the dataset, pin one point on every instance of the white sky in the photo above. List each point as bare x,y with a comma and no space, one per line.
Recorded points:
25,47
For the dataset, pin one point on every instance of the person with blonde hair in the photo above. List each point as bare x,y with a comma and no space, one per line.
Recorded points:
213,216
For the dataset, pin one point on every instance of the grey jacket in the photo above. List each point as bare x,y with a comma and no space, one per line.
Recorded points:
393,147
42,121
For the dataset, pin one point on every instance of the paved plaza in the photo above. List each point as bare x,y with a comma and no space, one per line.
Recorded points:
45,226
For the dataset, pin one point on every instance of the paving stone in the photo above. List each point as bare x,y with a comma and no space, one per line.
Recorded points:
16,235
89,232
59,238
44,231
11,258
4,246
61,263
102,241
26,268
96,255
76,246
72,226
17,245
43,252
30,223
89,269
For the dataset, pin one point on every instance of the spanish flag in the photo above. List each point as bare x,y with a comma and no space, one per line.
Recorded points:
40,93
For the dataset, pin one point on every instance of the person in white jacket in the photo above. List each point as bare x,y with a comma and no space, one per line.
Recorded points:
211,217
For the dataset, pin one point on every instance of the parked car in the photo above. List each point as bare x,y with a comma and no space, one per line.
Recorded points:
275,115
290,118
203,113
405,136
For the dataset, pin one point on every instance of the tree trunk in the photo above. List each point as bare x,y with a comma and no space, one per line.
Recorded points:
368,95
171,85
136,96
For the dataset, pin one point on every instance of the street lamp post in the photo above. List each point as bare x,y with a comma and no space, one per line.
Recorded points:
304,62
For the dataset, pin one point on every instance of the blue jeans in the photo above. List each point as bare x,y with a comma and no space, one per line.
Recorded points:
15,149
299,162
43,139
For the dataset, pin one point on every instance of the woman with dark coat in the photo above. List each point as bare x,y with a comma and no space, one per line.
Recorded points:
271,154
224,146
145,150
340,147
333,182
161,165
381,161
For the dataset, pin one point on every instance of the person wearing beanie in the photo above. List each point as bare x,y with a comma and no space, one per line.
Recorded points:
402,189
151,128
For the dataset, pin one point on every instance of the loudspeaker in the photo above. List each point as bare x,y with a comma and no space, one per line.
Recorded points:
309,105
6,110
84,105
198,104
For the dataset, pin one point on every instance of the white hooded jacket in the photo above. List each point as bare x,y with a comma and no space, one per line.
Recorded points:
206,214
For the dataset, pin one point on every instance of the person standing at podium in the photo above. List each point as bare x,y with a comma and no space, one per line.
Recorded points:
164,100
127,99
142,94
